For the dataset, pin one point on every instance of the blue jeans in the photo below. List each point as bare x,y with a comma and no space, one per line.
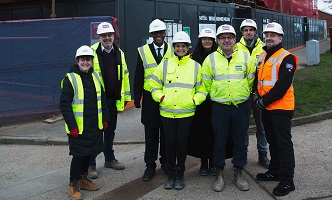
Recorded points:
109,133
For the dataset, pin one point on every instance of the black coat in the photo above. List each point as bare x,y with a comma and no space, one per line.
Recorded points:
200,141
90,141
150,108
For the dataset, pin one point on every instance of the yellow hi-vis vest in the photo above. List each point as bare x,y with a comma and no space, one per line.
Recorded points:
268,76
78,100
150,64
180,81
125,86
228,83
258,48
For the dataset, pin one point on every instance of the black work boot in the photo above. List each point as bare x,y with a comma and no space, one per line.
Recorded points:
169,184
268,176
204,169
284,187
149,173
179,180
263,160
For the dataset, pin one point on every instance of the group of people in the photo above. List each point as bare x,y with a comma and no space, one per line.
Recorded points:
195,104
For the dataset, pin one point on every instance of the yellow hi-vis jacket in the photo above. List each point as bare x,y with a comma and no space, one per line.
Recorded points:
268,76
257,50
124,74
78,101
228,83
180,82
150,64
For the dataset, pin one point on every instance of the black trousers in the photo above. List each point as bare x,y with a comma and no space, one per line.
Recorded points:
78,167
278,135
176,135
152,138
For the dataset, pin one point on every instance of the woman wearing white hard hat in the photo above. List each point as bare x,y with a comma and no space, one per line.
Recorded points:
177,85
200,141
84,109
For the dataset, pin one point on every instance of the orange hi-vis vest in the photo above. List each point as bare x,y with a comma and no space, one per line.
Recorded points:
268,76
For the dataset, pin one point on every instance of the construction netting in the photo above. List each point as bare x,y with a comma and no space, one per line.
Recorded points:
35,55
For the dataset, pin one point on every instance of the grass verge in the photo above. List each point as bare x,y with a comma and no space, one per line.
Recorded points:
313,87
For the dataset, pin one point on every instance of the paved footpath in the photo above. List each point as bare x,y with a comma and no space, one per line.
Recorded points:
41,171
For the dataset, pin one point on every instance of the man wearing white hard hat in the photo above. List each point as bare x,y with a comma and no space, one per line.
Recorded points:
177,87
228,76
252,44
275,97
148,58
109,61
85,123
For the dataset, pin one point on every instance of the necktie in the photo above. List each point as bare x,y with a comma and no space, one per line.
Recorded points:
159,55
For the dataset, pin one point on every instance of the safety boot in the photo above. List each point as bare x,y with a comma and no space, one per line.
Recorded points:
241,183
179,180
87,184
219,183
74,191
204,169
263,160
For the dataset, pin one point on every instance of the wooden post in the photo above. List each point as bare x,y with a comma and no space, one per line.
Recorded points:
53,15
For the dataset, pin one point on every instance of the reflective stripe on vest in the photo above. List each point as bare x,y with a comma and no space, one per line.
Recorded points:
264,85
78,99
149,62
227,77
178,85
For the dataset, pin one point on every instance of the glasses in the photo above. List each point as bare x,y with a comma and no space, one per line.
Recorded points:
104,35
224,38
85,58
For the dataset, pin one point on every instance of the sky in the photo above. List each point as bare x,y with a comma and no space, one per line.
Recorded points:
325,5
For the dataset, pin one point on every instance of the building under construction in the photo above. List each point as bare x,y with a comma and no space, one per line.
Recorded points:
306,8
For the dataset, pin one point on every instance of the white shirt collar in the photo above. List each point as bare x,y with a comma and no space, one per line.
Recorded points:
156,47
104,49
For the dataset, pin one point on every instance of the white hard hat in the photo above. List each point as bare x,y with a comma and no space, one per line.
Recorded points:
84,51
181,36
248,22
225,28
207,32
105,27
157,25
273,27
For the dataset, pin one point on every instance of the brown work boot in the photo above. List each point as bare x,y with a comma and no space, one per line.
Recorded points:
114,164
87,184
92,172
74,191
219,183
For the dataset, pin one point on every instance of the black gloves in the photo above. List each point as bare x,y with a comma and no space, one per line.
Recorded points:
259,103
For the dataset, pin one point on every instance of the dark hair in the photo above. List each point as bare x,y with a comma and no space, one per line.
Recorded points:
200,53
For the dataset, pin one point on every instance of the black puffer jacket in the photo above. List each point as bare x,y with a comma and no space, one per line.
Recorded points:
90,141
